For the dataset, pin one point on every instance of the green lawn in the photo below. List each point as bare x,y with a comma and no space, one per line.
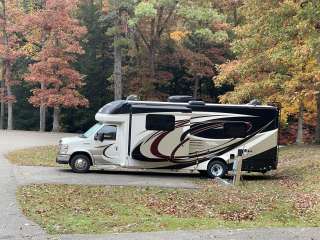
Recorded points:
36,156
288,197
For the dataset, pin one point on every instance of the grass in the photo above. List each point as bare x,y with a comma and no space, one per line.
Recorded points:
36,156
288,197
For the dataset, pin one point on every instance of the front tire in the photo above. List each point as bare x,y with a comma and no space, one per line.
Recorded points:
217,168
80,163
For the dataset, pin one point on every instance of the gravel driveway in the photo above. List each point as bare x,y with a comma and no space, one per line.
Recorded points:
13,225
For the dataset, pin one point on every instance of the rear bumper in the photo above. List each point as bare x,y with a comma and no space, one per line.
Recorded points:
63,159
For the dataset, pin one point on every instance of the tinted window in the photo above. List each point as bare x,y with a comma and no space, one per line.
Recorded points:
160,122
211,133
220,130
109,132
235,129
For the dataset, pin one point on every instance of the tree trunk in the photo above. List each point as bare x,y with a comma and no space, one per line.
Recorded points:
42,118
2,115
10,109
317,135
235,16
196,87
56,120
299,139
2,105
117,74
43,110
152,57
6,67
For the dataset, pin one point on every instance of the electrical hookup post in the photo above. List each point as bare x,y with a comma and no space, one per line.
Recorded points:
237,165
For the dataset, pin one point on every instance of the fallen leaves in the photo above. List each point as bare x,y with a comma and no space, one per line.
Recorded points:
241,214
304,202
288,198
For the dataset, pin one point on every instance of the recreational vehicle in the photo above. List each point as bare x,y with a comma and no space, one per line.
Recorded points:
178,135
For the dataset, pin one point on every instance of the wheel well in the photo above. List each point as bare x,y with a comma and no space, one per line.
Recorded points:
83,153
218,159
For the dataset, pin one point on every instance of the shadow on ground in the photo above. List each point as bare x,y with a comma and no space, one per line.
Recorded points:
195,175
136,173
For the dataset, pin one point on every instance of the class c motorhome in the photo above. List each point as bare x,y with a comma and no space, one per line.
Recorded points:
178,135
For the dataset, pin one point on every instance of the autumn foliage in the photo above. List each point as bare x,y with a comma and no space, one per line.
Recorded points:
10,52
277,58
220,50
11,44
59,35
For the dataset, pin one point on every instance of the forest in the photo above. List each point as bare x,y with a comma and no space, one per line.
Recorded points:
62,60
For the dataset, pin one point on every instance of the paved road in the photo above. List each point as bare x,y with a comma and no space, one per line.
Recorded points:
13,225
27,175
240,234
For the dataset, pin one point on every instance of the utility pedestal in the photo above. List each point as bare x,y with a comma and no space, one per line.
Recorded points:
237,166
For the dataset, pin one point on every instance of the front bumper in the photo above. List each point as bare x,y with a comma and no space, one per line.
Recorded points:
63,159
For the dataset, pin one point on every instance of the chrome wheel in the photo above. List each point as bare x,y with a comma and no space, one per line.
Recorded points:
80,164
217,170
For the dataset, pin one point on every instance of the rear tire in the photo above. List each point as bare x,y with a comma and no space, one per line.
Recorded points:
80,163
217,168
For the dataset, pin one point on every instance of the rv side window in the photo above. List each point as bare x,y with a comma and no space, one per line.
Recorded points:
160,122
109,132
210,133
222,131
235,129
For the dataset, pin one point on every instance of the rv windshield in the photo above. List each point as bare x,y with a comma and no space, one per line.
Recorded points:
92,130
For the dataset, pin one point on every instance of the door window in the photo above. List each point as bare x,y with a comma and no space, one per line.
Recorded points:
109,132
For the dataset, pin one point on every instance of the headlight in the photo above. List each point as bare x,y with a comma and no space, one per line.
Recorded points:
63,148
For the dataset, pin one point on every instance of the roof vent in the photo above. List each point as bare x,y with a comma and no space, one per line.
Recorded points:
254,102
196,103
132,97
180,98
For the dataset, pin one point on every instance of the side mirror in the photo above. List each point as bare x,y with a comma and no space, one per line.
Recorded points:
99,137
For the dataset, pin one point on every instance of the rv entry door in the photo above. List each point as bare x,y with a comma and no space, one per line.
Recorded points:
106,141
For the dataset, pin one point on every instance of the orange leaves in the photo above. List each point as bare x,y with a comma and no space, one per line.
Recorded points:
228,72
65,97
197,64
178,35
221,26
58,34
8,99
10,44
276,60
